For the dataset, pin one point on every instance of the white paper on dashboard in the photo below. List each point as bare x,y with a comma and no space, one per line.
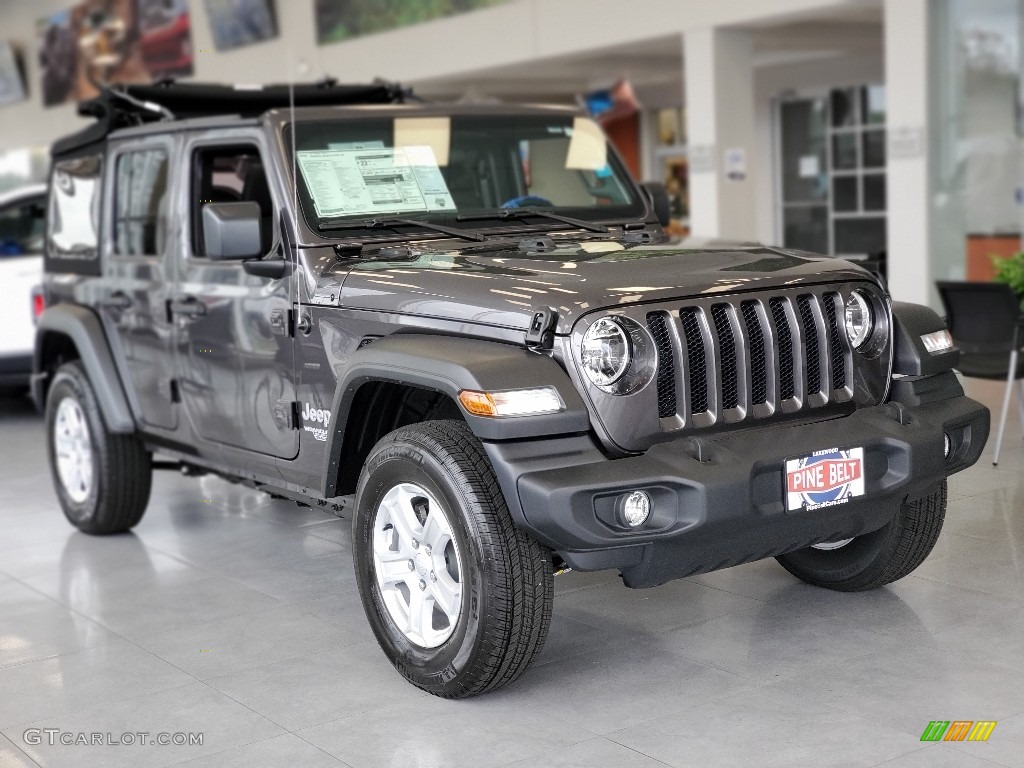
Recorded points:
374,180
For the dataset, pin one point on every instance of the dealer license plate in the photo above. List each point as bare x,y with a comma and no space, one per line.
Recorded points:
825,478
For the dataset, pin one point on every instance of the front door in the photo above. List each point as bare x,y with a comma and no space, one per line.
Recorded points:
137,283
235,351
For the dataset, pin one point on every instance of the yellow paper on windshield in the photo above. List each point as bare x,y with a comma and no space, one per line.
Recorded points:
588,150
374,181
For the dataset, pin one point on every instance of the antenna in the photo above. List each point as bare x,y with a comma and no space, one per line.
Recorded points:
295,181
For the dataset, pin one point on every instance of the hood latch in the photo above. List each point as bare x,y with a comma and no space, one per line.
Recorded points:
540,336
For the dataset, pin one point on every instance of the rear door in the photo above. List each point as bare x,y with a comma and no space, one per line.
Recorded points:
137,279
236,357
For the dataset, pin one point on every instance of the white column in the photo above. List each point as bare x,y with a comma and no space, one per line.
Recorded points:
719,78
907,86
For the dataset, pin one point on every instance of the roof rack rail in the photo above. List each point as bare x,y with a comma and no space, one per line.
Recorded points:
120,106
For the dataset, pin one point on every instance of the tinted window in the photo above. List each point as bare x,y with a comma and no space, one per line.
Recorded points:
230,175
22,228
75,209
139,214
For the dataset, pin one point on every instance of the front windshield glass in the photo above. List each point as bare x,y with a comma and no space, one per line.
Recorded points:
22,228
460,170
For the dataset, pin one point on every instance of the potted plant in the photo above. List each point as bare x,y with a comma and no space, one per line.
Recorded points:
1010,270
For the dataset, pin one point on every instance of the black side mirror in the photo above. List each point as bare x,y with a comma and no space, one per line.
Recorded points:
232,231
659,201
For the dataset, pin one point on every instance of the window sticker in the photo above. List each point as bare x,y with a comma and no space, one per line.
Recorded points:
368,181
376,144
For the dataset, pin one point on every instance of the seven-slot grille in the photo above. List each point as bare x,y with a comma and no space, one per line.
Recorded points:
730,358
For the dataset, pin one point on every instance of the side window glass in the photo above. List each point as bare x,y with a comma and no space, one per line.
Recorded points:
22,228
75,209
140,194
230,175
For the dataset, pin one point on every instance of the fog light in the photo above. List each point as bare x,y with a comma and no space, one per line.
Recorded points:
947,444
636,509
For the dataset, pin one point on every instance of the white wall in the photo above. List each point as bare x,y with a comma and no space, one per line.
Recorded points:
519,31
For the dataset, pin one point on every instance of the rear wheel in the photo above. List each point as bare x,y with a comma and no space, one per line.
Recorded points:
459,598
877,558
102,479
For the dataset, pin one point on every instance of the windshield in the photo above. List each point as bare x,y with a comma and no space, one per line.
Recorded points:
458,169
22,228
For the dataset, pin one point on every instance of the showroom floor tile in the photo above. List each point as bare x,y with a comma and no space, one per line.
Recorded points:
235,615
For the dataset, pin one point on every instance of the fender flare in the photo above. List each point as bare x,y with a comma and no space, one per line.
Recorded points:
85,330
449,364
910,358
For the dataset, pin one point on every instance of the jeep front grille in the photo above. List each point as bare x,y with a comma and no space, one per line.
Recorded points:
750,358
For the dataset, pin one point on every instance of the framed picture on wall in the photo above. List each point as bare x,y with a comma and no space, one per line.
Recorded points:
12,81
107,34
237,23
338,20
57,37
165,38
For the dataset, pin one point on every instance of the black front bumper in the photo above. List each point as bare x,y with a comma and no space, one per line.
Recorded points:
720,501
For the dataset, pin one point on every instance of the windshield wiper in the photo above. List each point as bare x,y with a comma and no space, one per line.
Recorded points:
507,214
393,221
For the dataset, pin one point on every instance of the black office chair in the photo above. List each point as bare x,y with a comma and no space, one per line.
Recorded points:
985,320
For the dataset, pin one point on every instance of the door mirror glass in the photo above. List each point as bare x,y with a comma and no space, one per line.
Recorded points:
232,230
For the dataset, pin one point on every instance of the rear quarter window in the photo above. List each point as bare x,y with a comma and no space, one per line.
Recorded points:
72,242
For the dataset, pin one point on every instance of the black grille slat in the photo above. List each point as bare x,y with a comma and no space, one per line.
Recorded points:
835,342
667,405
758,357
727,353
696,361
787,382
812,354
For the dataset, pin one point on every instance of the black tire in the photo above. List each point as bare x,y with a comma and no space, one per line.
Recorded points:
121,468
878,558
507,580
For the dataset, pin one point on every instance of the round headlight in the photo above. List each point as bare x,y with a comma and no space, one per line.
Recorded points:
860,319
605,353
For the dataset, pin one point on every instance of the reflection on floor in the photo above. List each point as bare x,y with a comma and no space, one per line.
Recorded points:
233,615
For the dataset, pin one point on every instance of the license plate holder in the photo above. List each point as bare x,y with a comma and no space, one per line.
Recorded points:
824,478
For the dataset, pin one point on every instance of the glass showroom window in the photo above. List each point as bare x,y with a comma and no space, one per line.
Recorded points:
976,140
832,163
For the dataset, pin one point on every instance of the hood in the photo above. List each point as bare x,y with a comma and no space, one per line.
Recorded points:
501,284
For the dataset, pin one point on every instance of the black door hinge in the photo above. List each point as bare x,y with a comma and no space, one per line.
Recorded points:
282,322
541,334
287,414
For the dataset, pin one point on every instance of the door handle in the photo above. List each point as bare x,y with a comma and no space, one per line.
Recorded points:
117,301
188,306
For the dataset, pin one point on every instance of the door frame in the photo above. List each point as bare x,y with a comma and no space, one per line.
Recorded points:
166,260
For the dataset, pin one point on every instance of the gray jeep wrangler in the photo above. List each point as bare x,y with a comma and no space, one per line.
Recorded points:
464,327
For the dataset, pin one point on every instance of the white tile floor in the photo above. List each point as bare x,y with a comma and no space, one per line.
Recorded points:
233,615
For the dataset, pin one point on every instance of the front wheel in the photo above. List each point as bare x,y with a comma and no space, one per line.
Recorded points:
102,479
877,558
459,598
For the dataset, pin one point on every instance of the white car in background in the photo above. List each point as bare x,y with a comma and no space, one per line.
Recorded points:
22,231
